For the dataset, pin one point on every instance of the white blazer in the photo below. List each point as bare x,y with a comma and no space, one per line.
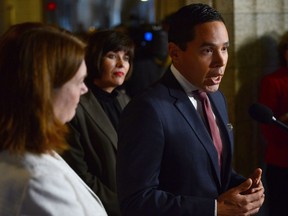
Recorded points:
44,185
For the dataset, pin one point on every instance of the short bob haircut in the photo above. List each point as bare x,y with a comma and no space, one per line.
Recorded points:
99,44
183,22
32,65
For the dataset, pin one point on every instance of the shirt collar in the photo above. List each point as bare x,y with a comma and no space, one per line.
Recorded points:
185,84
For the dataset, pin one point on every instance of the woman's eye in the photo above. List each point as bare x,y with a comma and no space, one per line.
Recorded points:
126,58
112,56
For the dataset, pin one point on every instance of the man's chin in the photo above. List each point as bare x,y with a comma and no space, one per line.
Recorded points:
212,88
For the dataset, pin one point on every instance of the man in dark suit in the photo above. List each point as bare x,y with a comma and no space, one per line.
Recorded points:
167,163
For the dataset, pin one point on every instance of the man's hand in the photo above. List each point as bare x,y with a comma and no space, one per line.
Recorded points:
256,182
243,200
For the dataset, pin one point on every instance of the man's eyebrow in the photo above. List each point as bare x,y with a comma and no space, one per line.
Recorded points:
213,44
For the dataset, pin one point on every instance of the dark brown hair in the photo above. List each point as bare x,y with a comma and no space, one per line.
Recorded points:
99,44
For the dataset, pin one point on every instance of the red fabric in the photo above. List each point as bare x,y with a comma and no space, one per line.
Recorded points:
214,130
274,94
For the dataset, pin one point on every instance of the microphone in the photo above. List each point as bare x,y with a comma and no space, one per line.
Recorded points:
263,114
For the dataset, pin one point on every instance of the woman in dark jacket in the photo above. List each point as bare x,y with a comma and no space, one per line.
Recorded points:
93,139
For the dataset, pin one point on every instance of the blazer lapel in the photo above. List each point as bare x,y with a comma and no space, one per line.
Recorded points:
123,100
94,109
64,165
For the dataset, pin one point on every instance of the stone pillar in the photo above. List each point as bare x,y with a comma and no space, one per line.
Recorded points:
254,29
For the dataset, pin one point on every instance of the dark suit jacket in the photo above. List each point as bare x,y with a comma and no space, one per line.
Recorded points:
166,161
93,143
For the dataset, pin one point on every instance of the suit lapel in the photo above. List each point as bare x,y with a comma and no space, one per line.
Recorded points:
186,108
95,111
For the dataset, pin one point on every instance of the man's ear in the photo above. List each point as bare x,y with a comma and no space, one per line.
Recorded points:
174,51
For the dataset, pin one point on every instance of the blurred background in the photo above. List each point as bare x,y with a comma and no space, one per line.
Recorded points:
254,26
78,15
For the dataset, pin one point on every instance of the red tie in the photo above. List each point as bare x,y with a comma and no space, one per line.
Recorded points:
214,130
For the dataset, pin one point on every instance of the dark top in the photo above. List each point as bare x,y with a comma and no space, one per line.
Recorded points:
109,103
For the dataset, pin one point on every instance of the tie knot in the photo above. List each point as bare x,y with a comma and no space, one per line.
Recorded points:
202,95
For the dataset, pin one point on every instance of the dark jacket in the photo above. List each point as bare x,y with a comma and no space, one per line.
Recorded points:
93,147
166,162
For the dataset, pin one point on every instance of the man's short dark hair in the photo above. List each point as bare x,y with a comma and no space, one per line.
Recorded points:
181,29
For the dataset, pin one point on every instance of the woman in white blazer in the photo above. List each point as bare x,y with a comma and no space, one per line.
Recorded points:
42,77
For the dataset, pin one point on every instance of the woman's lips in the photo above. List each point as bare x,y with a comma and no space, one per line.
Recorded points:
119,74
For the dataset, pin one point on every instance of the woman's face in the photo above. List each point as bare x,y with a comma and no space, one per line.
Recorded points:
66,98
115,66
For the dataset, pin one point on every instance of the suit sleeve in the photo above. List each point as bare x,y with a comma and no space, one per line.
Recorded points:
141,147
75,157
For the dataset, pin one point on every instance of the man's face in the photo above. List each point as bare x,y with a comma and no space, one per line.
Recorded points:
204,60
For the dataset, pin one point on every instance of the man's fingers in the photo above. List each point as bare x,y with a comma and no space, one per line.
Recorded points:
244,186
256,176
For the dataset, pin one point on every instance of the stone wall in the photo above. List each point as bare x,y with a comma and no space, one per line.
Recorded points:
257,26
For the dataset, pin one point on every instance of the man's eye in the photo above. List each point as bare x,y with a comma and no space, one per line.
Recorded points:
207,50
